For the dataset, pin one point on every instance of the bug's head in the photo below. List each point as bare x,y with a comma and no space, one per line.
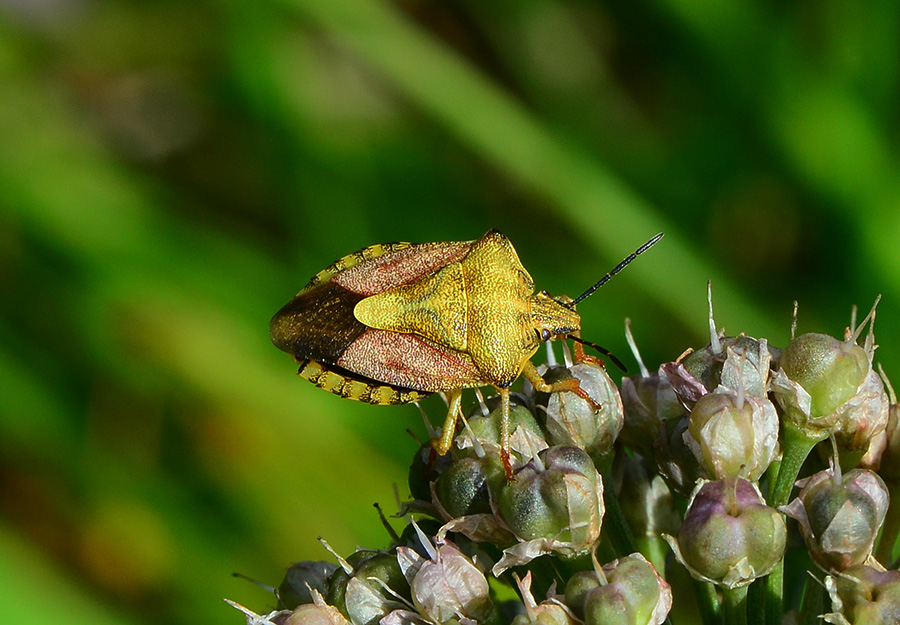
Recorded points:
553,316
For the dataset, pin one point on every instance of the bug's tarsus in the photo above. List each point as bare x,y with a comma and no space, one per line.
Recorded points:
646,246
603,351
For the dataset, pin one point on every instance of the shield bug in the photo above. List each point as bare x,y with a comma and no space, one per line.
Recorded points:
394,322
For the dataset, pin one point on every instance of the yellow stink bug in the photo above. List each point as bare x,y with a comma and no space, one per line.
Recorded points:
395,322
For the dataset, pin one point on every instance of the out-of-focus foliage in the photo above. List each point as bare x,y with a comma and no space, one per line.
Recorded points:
172,172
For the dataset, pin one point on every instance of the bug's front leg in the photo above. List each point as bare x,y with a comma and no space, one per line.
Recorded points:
531,373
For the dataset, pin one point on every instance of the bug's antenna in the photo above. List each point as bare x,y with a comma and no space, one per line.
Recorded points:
646,246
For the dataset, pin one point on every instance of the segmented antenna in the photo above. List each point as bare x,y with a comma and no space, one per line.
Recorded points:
646,246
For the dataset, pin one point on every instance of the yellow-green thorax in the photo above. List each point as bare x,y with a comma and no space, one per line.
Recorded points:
482,305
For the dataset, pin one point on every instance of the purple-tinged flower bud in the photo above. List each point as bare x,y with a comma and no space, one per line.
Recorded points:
729,537
627,591
552,504
572,420
864,595
839,516
300,579
733,435
446,585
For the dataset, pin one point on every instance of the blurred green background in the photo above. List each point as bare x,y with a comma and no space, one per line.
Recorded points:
171,173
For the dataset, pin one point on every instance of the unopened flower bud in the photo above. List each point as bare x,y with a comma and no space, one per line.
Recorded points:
818,375
315,613
554,503
573,420
550,612
300,579
446,585
863,420
729,537
648,507
464,488
889,468
839,516
525,435
864,595
424,469
647,401
627,591
734,362
360,593
676,462
733,435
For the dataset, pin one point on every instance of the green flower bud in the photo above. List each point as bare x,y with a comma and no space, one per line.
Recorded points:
463,496
647,505
889,468
425,468
317,613
733,435
550,612
572,420
862,422
525,435
552,504
676,462
818,375
300,579
839,516
360,594
647,401
864,595
734,362
464,488
729,536
446,585
633,594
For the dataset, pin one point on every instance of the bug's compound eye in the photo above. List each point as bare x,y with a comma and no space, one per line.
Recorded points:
545,334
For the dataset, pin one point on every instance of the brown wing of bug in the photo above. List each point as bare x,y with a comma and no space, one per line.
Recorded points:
339,354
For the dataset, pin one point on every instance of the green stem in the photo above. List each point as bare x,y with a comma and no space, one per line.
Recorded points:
812,603
707,602
614,524
756,603
734,605
885,551
797,445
